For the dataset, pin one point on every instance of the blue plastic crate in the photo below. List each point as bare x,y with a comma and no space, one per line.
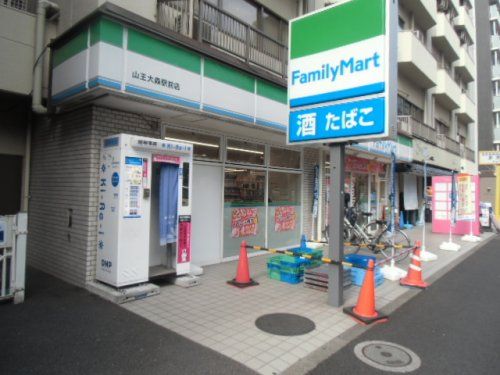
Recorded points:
359,260
290,278
358,276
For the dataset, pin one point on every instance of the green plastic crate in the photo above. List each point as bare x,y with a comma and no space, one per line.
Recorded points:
274,274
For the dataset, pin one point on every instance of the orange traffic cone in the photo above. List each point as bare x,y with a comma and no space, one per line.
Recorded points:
364,312
414,277
242,279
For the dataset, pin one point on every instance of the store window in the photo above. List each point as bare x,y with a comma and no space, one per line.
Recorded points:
204,146
244,208
283,158
245,152
284,211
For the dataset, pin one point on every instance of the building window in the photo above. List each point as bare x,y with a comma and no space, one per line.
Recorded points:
441,127
495,57
496,118
283,158
401,24
406,108
205,147
243,152
496,88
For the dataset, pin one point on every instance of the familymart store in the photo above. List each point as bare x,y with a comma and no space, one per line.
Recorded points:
108,77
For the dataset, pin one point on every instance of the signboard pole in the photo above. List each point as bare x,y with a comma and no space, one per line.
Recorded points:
497,191
336,228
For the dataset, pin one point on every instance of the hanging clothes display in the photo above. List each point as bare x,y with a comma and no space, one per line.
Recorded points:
169,183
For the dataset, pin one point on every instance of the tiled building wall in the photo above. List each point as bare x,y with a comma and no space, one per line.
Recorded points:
64,183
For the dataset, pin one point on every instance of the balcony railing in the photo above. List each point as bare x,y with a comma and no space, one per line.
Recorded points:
452,146
407,125
24,5
222,30
467,153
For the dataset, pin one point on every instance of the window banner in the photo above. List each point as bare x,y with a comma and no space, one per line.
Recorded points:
466,202
244,222
315,192
285,219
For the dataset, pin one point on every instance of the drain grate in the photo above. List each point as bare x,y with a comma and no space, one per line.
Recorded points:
387,356
285,324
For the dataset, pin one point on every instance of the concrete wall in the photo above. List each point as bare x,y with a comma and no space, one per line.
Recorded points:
65,167
17,34
487,186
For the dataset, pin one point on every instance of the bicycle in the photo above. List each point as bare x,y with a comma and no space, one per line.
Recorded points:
375,236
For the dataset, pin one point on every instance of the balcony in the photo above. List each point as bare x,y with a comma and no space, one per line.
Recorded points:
467,153
496,103
465,65
415,61
447,92
464,22
22,5
448,144
423,10
445,38
216,27
411,127
495,71
495,42
496,135
467,111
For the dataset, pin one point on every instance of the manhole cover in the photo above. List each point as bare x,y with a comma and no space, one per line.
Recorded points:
387,356
285,324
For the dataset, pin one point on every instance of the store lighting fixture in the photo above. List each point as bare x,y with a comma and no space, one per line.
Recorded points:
246,150
193,142
235,170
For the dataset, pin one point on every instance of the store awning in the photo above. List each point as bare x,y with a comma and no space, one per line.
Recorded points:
418,169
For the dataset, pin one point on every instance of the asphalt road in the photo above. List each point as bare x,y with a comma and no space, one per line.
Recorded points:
453,326
61,329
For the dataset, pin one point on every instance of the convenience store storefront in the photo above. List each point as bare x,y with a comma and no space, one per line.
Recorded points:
242,190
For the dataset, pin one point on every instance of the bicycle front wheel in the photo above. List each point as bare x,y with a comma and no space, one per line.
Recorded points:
401,244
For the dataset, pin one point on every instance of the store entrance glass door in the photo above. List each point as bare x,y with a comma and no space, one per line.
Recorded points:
244,208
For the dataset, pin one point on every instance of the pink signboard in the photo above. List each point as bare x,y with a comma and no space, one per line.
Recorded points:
244,222
184,244
166,159
285,218
441,206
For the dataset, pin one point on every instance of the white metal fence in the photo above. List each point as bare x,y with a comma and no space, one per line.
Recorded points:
13,231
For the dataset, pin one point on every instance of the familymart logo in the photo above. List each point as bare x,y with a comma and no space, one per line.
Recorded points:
332,71
348,71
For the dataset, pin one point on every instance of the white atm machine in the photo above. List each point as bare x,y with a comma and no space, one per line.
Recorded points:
144,219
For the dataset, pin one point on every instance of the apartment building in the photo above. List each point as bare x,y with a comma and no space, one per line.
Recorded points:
213,73
489,96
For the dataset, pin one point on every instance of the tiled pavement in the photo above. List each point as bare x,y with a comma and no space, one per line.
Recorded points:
222,317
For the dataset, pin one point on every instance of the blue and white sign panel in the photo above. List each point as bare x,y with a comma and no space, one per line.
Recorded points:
338,121
342,77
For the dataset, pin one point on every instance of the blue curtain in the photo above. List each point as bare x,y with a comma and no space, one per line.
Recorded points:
169,181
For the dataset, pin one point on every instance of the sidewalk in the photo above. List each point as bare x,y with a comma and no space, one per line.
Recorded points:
222,317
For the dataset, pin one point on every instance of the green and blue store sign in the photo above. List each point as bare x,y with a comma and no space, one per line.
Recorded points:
107,54
343,72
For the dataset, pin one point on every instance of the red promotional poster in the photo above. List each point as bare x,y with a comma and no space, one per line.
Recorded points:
244,222
184,253
285,219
